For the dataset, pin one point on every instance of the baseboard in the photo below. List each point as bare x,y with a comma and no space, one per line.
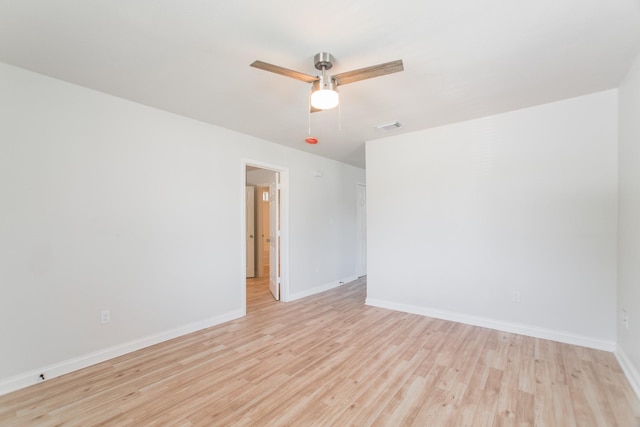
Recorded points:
516,328
321,288
630,371
29,378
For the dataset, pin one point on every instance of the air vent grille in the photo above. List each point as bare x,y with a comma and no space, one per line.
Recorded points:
389,126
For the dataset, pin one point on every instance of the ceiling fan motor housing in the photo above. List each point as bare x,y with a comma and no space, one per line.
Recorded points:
323,60
324,83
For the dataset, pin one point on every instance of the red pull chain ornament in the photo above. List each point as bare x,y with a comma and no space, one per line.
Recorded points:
311,140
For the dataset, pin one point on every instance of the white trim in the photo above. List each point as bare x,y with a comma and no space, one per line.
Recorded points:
243,238
516,328
629,370
29,378
284,227
322,288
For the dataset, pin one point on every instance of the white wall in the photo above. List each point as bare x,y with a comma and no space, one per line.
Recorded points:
629,225
462,216
108,204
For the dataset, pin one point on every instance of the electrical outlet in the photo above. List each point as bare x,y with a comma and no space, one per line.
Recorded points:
105,316
516,296
625,318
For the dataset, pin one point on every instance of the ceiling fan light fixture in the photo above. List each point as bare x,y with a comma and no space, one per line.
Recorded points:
323,94
324,99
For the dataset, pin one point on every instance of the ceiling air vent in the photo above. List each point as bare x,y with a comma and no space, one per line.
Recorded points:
389,126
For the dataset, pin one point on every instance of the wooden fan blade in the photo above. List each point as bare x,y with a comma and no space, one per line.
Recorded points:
369,72
314,109
284,71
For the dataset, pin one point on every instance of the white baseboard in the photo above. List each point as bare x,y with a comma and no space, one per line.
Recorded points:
321,288
29,378
629,370
516,328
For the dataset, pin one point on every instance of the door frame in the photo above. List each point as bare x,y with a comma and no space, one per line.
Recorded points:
284,227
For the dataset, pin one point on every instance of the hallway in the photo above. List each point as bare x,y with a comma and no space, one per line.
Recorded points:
258,295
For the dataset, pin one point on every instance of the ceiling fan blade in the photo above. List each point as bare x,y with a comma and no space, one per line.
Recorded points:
284,71
369,72
313,109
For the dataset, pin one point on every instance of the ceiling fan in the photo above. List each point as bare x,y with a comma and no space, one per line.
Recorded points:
323,90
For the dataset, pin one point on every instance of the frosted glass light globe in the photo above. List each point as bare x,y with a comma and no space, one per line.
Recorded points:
324,99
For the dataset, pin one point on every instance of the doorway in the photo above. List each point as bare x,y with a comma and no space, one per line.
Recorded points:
267,247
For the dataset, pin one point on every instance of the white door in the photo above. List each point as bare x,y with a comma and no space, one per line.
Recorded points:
250,240
263,246
361,224
274,236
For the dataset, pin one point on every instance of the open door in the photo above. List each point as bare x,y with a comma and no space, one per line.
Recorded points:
274,236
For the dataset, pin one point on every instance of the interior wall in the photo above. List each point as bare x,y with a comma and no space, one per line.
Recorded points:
108,204
465,218
629,225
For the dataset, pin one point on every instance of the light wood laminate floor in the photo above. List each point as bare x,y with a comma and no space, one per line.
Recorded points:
330,360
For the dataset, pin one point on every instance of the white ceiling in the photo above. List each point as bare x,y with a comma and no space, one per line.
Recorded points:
463,59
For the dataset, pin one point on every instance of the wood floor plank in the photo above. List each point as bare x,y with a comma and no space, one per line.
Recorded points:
330,360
